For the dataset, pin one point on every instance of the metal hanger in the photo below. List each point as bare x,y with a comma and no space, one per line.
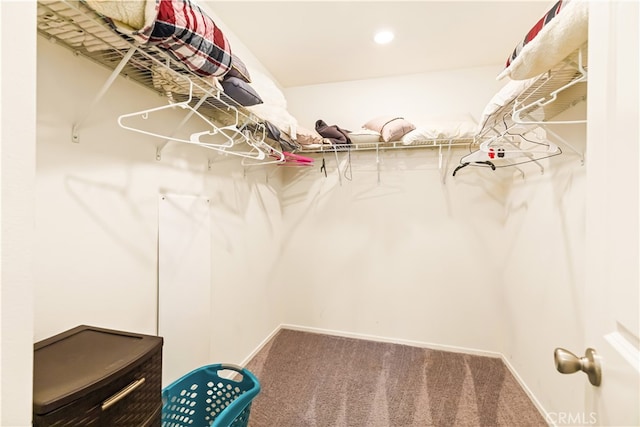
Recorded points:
348,173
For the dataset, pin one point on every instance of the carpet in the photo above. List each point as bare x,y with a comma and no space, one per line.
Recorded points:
317,380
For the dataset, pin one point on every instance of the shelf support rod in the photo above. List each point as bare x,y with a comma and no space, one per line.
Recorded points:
565,143
335,151
569,146
378,161
446,167
116,71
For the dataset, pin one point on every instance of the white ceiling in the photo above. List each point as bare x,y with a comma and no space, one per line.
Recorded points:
312,42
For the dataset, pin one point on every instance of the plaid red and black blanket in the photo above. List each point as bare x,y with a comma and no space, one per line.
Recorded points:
190,35
179,27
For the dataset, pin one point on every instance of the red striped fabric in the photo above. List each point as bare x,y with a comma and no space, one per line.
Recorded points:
185,31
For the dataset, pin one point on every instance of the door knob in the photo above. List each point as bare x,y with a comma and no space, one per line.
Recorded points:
568,363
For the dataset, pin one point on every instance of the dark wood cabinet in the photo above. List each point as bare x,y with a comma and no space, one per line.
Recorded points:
90,376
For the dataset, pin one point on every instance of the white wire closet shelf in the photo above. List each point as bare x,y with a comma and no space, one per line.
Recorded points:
394,145
552,93
506,135
72,24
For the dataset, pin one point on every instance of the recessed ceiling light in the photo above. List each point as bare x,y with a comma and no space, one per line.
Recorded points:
383,37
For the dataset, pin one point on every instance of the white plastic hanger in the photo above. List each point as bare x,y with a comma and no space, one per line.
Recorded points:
257,151
276,156
261,145
231,132
185,105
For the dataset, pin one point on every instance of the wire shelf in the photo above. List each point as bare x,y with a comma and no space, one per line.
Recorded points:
550,94
74,25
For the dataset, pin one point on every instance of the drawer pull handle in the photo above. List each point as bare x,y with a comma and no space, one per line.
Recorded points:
121,394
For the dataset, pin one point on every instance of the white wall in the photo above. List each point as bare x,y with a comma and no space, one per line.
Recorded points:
543,271
237,46
490,260
17,178
97,214
408,258
416,97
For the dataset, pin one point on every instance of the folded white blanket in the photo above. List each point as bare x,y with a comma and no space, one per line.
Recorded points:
171,82
130,13
562,35
441,130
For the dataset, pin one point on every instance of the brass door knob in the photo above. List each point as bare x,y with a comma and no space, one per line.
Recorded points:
568,363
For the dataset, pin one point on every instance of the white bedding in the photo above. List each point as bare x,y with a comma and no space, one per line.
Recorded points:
171,82
274,106
503,97
365,136
130,13
441,130
556,40
277,116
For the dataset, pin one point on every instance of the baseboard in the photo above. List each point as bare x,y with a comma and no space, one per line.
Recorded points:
260,346
528,391
377,338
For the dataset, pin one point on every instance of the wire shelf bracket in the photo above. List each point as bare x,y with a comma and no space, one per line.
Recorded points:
75,128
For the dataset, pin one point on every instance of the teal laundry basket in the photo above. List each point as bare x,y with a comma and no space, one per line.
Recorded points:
203,398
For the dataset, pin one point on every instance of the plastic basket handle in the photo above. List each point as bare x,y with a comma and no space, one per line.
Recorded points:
229,414
230,367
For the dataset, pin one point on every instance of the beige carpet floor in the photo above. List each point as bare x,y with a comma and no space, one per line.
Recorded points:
318,380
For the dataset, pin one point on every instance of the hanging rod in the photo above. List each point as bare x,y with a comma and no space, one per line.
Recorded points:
384,146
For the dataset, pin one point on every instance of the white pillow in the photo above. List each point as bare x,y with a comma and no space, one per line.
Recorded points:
278,116
364,136
555,41
391,128
447,127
